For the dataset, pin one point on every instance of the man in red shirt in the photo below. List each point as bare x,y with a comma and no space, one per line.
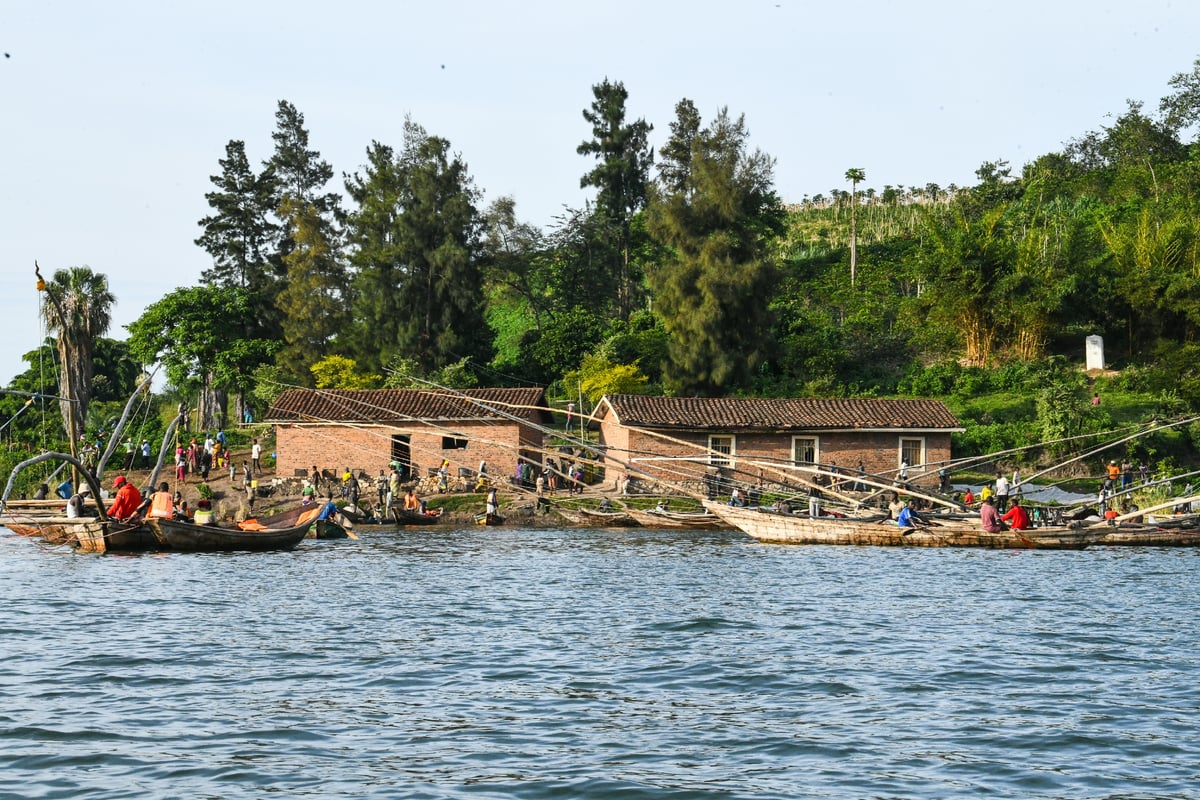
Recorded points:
1016,517
127,501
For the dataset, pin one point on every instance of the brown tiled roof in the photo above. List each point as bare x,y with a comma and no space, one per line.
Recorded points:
740,413
406,405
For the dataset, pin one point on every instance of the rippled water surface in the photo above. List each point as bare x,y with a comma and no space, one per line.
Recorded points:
497,663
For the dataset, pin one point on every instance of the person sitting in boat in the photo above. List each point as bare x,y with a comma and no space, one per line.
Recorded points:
909,518
969,498
737,498
162,504
43,492
128,499
606,504
896,506
204,513
75,505
989,518
412,503
663,505
1016,517
329,510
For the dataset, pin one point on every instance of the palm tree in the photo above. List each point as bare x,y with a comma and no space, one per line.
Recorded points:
854,175
78,309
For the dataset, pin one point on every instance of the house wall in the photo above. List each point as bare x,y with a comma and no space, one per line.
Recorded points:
368,447
614,442
879,452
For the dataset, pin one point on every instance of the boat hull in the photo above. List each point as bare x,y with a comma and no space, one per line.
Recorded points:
589,518
405,517
678,520
1152,537
776,528
89,535
188,537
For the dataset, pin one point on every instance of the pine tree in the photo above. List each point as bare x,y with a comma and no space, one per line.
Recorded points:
300,172
676,155
621,177
441,296
372,236
311,302
239,234
302,175
714,289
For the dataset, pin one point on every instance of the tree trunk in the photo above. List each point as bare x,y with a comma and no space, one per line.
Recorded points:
207,405
979,337
1031,341
75,371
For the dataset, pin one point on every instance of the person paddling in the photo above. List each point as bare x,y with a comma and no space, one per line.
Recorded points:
909,518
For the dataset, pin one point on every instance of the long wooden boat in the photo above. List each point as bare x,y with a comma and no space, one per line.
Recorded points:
592,518
191,538
1152,536
770,526
681,520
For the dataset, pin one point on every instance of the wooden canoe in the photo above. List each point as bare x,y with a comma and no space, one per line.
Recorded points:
406,517
191,538
591,518
770,526
678,520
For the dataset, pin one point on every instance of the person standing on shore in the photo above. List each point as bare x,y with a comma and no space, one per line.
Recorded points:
255,457
1001,493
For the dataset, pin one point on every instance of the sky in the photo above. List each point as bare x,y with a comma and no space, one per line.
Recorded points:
113,115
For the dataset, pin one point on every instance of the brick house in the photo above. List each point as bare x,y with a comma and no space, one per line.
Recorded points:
683,438
368,429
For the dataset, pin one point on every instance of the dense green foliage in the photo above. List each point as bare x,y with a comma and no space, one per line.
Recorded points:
690,277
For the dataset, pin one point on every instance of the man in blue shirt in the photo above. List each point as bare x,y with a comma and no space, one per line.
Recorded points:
909,518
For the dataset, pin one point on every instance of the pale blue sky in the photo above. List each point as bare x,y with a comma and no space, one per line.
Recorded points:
115,114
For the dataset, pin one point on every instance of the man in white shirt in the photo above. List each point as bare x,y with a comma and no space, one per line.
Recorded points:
1001,493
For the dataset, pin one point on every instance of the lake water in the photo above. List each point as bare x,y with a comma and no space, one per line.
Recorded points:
507,663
